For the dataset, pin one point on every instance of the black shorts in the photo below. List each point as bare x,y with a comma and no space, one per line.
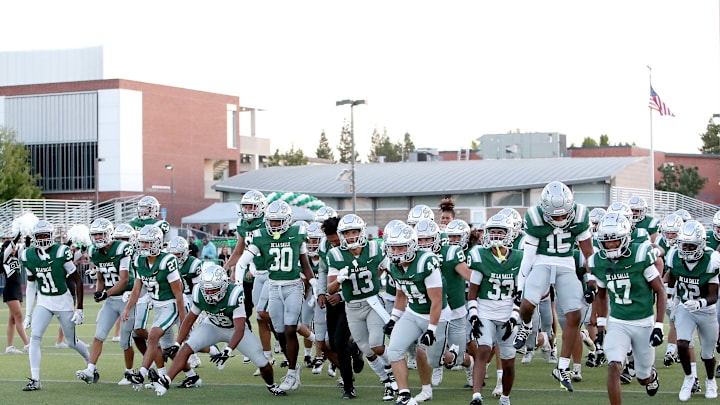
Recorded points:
12,293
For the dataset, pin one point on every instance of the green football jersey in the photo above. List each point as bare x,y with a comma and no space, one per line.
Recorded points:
629,293
221,314
519,242
712,243
498,278
554,241
650,224
389,284
246,229
412,281
280,253
639,235
692,284
451,256
138,224
108,264
48,267
363,280
189,271
155,277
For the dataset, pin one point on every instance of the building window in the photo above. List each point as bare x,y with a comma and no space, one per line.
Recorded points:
507,199
591,195
470,200
65,167
361,204
396,203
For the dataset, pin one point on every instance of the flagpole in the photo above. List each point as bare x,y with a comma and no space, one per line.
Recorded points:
652,155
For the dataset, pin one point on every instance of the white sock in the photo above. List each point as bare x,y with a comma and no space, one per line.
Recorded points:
671,348
499,376
308,352
427,388
190,373
577,367
563,363
268,354
91,368
693,369
378,367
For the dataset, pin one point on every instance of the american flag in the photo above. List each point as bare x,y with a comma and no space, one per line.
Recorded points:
657,104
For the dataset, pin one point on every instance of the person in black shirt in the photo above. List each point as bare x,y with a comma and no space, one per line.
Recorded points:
12,295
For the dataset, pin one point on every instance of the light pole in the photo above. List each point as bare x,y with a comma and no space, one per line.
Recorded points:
97,179
352,103
172,190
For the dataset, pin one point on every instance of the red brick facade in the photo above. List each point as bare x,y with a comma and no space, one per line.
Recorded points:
180,127
708,165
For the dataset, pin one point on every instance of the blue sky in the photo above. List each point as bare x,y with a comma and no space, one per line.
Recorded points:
447,72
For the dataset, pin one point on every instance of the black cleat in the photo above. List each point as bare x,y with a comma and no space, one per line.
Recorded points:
358,362
349,394
308,362
275,390
33,385
191,382
522,336
653,386
590,362
564,377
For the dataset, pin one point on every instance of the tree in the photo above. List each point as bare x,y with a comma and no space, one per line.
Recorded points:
588,142
291,158
604,140
345,146
681,180
711,139
380,145
474,145
407,145
16,177
324,151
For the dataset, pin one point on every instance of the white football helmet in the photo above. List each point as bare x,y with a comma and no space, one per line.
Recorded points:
716,225
43,234
152,235
670,228
213,283
148,208
252,205
351,222
428,229
623,209
126,233
179,247
458,227
556,200
101,226
638,206
401,235
325,213
419,212
612,227
684,215
691,241
516,219
499,230
595,215
314,235
278,210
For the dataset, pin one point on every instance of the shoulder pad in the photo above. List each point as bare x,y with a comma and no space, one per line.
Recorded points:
581,214
642,251
534,217
196,293
335,253
235,294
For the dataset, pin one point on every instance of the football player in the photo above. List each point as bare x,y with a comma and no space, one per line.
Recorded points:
693,279
111,259
148,210
553,227
641,219
495,267
420,313
283,250
669,229
49,264
353,269
157,272
713,235
312,314
628,281
225,322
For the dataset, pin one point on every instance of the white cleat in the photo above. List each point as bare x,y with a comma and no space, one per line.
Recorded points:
437,376
497,391
527,357
686,389
194,361
711,388
423,396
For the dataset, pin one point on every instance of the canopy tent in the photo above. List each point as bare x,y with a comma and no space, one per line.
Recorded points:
218,213
227,213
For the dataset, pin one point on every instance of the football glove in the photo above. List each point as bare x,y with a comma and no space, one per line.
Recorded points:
342,275
656,337
599,339
100,295
477,325
692,305
509,326
427,338
388,328
28,321
589,293
171,351
220,358
78,317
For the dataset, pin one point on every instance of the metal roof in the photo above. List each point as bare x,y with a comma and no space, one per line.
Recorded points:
428,178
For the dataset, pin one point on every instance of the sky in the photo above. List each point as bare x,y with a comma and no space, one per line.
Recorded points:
445,72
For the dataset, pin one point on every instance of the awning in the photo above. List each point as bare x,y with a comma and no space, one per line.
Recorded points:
218,213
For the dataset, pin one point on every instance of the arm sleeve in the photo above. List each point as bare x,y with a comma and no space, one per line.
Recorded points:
476,277
322,277
30,291
529,254
69,267
434,280
195,310
125,264
239,312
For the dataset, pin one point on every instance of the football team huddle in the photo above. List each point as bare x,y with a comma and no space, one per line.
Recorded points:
427,295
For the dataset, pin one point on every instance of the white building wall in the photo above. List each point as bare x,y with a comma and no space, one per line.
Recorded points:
51,66
120,140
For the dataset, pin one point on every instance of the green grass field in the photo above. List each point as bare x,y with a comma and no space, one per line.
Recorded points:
235,384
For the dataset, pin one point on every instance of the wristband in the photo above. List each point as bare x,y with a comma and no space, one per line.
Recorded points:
515,315
591,277
396,314
670,291
432,328
659,325
703,302
601,321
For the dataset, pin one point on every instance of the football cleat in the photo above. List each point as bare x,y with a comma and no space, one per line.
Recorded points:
33,385
711,388
527,357
587,341
576,376
246,360
669,359
13,350
437,376
522,336
389,393
275,390
191,382
317,365
405,399
696,386
194,361
653,386
590,362
358,362
498,390
553,359
686,389
504,401
564,377
308,362
423,396
135,377
331,371
84,375
288,382
284,363
124,381
476,402
628,373
349,394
